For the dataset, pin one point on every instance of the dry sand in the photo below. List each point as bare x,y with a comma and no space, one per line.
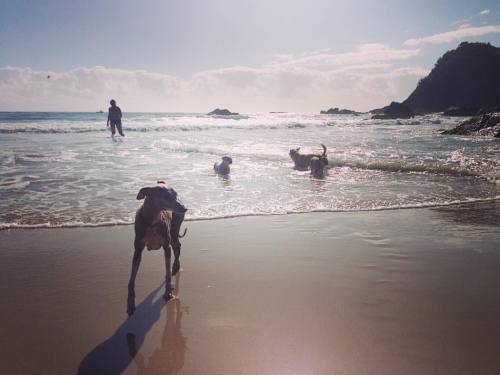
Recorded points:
393,292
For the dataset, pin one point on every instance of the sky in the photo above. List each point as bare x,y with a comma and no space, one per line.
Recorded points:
248,56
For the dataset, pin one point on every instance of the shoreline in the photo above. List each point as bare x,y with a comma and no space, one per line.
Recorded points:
472,201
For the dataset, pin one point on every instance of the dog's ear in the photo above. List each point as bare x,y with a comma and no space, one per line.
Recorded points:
143,193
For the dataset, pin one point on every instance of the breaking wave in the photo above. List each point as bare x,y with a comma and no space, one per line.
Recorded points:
151,128
404,167
280,154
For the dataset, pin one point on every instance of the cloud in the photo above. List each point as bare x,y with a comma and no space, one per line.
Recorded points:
373,52
453,36
368,76
81,88
361,79
484,12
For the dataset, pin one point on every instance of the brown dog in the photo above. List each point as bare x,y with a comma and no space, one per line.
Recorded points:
157,223
303,161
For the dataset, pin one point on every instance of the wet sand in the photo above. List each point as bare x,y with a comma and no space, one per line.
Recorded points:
391,292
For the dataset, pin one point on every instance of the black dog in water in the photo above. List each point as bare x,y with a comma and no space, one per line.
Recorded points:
223,166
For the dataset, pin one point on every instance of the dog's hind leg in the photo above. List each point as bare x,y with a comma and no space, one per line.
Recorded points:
168,275
136,261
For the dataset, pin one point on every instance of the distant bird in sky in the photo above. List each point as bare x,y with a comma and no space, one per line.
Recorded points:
48,77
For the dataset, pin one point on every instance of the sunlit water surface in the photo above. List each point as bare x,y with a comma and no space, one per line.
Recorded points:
64,169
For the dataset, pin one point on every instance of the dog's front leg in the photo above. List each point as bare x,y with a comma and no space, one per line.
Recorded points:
168,275
174,240
136,261
176,247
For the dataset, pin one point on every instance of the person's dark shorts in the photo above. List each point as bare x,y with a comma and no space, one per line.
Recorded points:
116,124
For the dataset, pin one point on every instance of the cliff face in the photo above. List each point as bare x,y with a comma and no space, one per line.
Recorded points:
468,76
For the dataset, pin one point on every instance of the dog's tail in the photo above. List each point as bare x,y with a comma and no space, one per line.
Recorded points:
324,149
183,234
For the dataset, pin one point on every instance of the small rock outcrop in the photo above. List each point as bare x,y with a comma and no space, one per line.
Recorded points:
222,112
337,111
394,110
486,125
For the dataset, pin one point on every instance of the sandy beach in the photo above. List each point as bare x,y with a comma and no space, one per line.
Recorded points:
387,292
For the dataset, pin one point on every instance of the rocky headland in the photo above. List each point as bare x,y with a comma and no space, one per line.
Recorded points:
464,82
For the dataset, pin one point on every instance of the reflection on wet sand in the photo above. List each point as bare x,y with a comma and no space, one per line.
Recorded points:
169,357
477,214
116,353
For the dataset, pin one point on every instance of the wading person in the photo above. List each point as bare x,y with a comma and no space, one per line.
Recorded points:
115,118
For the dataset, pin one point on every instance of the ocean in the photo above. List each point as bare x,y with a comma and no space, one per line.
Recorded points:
65,170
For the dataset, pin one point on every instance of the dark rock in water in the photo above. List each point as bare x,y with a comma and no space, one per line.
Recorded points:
487,125
337,111
394,110
467,77
461,111
222,112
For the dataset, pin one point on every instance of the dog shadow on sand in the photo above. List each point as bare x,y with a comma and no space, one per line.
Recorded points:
115,354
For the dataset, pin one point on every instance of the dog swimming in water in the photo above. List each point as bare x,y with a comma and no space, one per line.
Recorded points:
222,167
